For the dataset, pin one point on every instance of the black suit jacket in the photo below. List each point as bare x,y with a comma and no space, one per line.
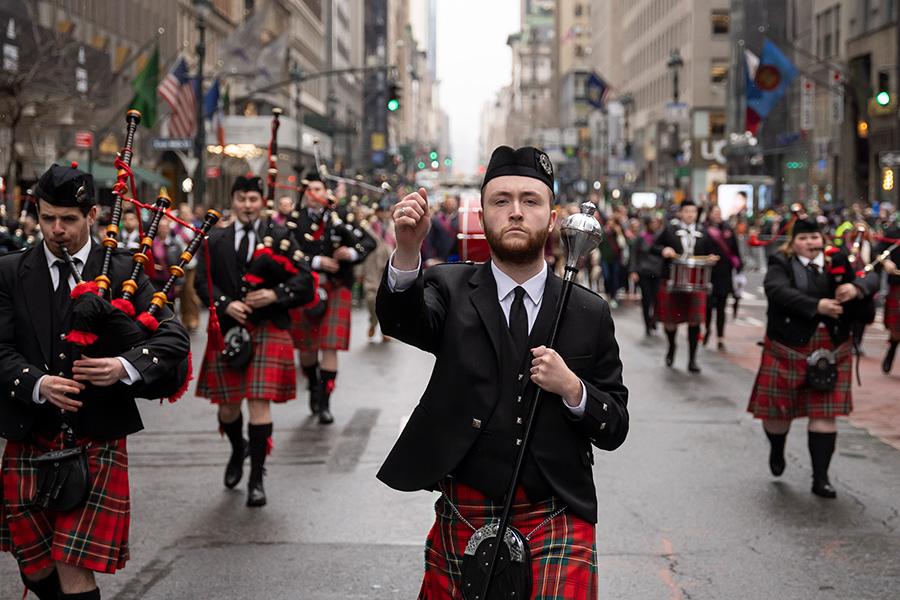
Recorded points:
340,232
452,312
669,237
227,285
25,351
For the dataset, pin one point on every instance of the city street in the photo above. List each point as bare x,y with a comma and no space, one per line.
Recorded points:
688,509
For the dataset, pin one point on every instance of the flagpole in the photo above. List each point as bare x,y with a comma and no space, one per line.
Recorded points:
200,139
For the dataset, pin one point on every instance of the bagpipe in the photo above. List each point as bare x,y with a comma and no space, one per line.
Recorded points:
103,326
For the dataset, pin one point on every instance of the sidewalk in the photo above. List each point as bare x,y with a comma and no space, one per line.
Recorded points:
876,405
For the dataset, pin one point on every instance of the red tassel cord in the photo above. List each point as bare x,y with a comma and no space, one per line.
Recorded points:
253,279
148,321
125,306
187,380
215,342
81,338
85,287
270,445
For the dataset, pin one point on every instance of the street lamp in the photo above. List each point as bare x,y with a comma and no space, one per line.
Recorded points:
675,63
201,7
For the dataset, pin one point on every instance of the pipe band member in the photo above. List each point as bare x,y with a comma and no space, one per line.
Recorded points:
486,325
44,391
806,364
891,266
334,243
270,374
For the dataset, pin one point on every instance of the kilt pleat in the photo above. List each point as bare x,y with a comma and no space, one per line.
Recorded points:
780,390
892,311
563,552
271,374
93,536
332,331
673,308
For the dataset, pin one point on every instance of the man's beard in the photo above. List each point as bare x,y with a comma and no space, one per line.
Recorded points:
518,251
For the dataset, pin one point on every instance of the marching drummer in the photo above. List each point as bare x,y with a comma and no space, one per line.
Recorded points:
682,239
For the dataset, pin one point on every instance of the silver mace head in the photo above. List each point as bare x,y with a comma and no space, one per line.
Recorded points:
580,233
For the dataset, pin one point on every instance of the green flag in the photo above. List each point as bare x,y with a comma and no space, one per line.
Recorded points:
144,86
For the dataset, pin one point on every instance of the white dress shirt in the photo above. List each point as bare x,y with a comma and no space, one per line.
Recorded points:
240,232
399,281
316,262
80,258
819,261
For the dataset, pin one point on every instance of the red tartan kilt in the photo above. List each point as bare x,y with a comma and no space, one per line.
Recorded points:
563,552
332,331
93,537
271,374
780,391
673,308
892,311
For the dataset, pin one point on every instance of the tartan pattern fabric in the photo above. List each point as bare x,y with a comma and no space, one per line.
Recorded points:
780,390
332,331
93,537
892,311
271,374
673,308
563,552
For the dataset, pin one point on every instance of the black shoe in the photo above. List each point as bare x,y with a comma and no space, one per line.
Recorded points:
888,360
823,488
314,399
693,368
706,337
325,416
721,346
776,464
234,470
670,356
256,494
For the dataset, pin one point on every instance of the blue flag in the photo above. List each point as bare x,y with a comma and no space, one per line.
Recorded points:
597,90
773,76
211,100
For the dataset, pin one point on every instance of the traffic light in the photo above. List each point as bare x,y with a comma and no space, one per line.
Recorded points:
448,162
883,92
433,155
887,180
393,103
421,165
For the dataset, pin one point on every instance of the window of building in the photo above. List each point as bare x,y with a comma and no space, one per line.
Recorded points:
718,71
721,21
717,124
579,10
828,32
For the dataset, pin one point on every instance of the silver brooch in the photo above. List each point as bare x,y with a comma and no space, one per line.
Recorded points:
544,160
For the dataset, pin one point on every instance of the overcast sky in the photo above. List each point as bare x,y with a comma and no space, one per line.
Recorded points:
473,62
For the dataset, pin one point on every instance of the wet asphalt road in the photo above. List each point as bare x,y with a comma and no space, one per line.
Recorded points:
688,509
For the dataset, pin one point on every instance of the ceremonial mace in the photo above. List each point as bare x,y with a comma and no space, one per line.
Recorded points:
580,233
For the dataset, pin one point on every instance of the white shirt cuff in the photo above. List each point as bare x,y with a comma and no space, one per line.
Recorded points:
132,375
578,411
36,393
400,281
316,263
354,255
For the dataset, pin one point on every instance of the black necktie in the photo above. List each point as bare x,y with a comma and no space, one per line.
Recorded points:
61,295
816,275
518,321
244,246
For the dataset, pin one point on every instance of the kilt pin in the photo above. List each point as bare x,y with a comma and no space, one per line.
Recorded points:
93,536
271,374
563,551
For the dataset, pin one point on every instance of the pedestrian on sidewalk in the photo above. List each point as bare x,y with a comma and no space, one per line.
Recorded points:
646,269
806,365
60,527
486,325
260,317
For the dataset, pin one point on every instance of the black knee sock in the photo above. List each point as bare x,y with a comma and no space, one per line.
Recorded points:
312,373
235,432
821,447
328,378
670,335
46,588
693,338
94,594
777,440
259,446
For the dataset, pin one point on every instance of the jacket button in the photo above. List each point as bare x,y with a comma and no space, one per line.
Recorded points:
155,361
62,356
521,375
519,442
476,423
605,406
145,351
518,420
518,398
602,426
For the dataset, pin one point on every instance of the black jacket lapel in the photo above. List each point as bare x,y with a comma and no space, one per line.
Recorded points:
94,264
484,297
540,332
38,291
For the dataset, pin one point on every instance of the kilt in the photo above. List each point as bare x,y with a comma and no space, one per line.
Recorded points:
332,331
93,537
780,391
673,308
563,552
892,311
271,374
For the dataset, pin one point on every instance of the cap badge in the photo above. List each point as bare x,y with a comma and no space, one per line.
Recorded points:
544,161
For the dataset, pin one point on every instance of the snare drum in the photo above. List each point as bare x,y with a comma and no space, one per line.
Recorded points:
472,242
690,274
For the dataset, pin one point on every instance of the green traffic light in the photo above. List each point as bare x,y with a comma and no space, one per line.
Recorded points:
433,155
883,98
393,104
421,165
448,162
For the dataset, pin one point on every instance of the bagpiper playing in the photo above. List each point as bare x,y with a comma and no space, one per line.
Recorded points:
334,244
683,238
891,265
258,361
807,360
65,515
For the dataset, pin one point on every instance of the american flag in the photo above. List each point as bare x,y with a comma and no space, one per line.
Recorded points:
178,90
